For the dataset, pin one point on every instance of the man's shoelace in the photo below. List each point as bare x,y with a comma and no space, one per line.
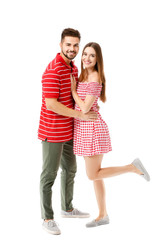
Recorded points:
52,223
75,211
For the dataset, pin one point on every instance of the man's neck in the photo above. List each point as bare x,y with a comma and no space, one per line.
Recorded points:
65,59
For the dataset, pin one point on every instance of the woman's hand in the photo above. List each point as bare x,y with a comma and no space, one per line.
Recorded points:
73,83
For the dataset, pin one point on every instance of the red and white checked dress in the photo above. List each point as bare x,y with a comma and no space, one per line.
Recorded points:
90,137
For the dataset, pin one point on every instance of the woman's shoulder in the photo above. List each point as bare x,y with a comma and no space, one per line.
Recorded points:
95,78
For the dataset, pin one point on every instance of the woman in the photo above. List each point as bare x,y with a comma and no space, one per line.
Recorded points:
91,139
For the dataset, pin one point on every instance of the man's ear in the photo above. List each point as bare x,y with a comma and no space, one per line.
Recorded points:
60,44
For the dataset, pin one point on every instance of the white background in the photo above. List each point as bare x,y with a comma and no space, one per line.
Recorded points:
128,32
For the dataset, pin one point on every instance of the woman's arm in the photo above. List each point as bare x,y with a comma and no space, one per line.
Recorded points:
85,105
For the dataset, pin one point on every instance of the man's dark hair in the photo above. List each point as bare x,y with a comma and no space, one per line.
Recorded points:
70,32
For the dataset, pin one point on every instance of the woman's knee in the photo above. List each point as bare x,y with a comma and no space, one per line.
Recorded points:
93,166
92,176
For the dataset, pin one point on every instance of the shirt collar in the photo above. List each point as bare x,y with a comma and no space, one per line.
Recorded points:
60,59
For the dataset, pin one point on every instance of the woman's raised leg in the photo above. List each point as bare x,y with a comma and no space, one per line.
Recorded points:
95,172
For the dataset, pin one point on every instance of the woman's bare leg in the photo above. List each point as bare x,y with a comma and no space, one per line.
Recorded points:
99,189
96,173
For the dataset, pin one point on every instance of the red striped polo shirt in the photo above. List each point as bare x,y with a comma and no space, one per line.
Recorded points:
56,83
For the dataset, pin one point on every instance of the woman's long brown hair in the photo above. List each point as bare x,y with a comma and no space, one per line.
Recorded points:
98,67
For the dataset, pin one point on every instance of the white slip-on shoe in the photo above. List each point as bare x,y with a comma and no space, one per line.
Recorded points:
95,223
138,164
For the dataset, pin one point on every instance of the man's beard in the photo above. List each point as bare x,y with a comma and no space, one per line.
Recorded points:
67,56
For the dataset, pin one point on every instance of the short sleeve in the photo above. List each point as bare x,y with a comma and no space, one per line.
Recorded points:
50,84
93,89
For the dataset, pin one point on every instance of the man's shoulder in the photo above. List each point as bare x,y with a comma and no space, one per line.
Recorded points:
54,65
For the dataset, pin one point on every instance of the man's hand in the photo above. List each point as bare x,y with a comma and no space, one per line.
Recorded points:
90,116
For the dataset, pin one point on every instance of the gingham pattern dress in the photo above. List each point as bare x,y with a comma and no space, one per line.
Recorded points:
90,138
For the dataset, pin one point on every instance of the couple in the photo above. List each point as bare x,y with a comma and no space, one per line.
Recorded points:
70,125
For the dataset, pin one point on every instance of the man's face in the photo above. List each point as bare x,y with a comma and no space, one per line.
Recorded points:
70,47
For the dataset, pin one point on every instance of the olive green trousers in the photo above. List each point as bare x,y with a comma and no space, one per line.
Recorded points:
57,155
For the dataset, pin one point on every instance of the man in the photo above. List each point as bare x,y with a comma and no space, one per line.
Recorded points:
56,130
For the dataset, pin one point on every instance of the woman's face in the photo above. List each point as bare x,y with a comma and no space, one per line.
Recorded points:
89,57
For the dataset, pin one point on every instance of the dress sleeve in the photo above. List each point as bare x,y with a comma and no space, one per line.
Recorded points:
50,84
93,89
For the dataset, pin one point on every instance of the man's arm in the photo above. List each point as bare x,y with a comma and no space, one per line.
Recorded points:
52,104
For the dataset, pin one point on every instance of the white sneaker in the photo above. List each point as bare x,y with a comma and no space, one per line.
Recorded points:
75,213
51,227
